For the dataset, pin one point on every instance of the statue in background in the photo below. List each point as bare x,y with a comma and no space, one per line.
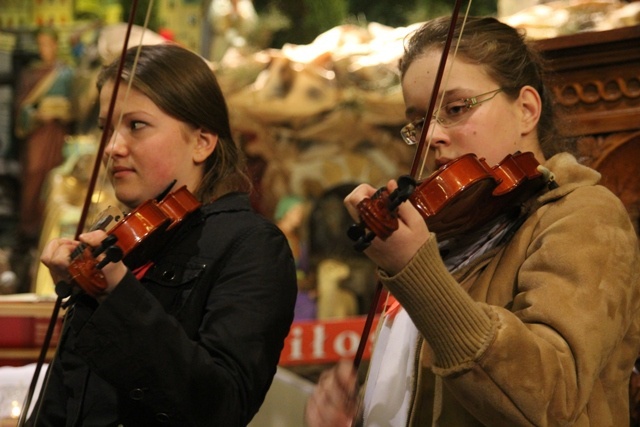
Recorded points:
43,119
231,22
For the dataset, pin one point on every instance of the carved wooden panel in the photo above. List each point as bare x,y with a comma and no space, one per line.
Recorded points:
596,81
617,157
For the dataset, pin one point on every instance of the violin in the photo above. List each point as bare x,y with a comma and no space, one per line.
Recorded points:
133,239
460,196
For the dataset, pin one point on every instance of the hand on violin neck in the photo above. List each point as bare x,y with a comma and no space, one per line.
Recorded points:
358,194
56,257
74,263
395,251
109,262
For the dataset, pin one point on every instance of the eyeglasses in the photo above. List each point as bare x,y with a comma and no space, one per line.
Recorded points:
446,116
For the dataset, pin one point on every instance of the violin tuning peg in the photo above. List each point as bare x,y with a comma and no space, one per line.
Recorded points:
112,254
364,242
406,186
63,289
108,241
356,231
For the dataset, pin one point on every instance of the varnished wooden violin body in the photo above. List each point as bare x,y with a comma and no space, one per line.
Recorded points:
458,197
133,239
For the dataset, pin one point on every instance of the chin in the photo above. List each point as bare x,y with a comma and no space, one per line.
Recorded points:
127,201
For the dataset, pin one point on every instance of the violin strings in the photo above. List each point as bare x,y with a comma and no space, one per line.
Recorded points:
440,103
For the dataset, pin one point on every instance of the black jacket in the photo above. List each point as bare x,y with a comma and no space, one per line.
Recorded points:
195,342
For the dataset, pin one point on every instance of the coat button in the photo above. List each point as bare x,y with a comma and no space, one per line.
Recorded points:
161,417
136,394
168,275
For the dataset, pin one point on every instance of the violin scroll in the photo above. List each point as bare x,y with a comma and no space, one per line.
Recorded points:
86,270
133,239
378,213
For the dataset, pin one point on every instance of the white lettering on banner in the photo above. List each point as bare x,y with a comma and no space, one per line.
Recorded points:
296,343
343,338
318,342
324,341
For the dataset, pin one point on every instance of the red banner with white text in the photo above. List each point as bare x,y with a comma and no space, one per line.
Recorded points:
325,341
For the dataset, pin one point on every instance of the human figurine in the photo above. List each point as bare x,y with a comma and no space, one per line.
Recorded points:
43,119
290,218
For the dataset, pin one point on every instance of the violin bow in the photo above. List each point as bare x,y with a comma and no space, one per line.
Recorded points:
81,224
418,159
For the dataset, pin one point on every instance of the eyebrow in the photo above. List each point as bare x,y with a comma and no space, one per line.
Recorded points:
130,113
457,93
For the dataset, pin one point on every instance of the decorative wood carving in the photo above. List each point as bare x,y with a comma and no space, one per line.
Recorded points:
596,82
597,79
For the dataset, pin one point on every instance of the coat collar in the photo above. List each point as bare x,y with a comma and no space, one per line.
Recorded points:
231,202
569,175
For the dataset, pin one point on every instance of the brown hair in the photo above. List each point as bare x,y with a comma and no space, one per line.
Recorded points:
506,56
182,85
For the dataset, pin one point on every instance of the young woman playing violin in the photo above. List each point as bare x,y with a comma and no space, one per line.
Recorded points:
193,337
531,320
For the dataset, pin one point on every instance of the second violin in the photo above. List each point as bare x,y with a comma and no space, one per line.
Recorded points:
458,197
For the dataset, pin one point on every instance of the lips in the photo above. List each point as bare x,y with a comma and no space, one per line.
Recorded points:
119,170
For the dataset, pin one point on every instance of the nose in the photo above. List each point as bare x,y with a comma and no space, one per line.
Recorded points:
116,145
437,135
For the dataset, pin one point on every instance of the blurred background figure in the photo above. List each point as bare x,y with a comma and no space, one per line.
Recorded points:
290,217
43,118
231,22
345,279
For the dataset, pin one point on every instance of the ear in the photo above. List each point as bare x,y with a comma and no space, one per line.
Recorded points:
530,105
206,142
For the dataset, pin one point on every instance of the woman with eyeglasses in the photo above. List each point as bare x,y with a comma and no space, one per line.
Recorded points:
530,319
